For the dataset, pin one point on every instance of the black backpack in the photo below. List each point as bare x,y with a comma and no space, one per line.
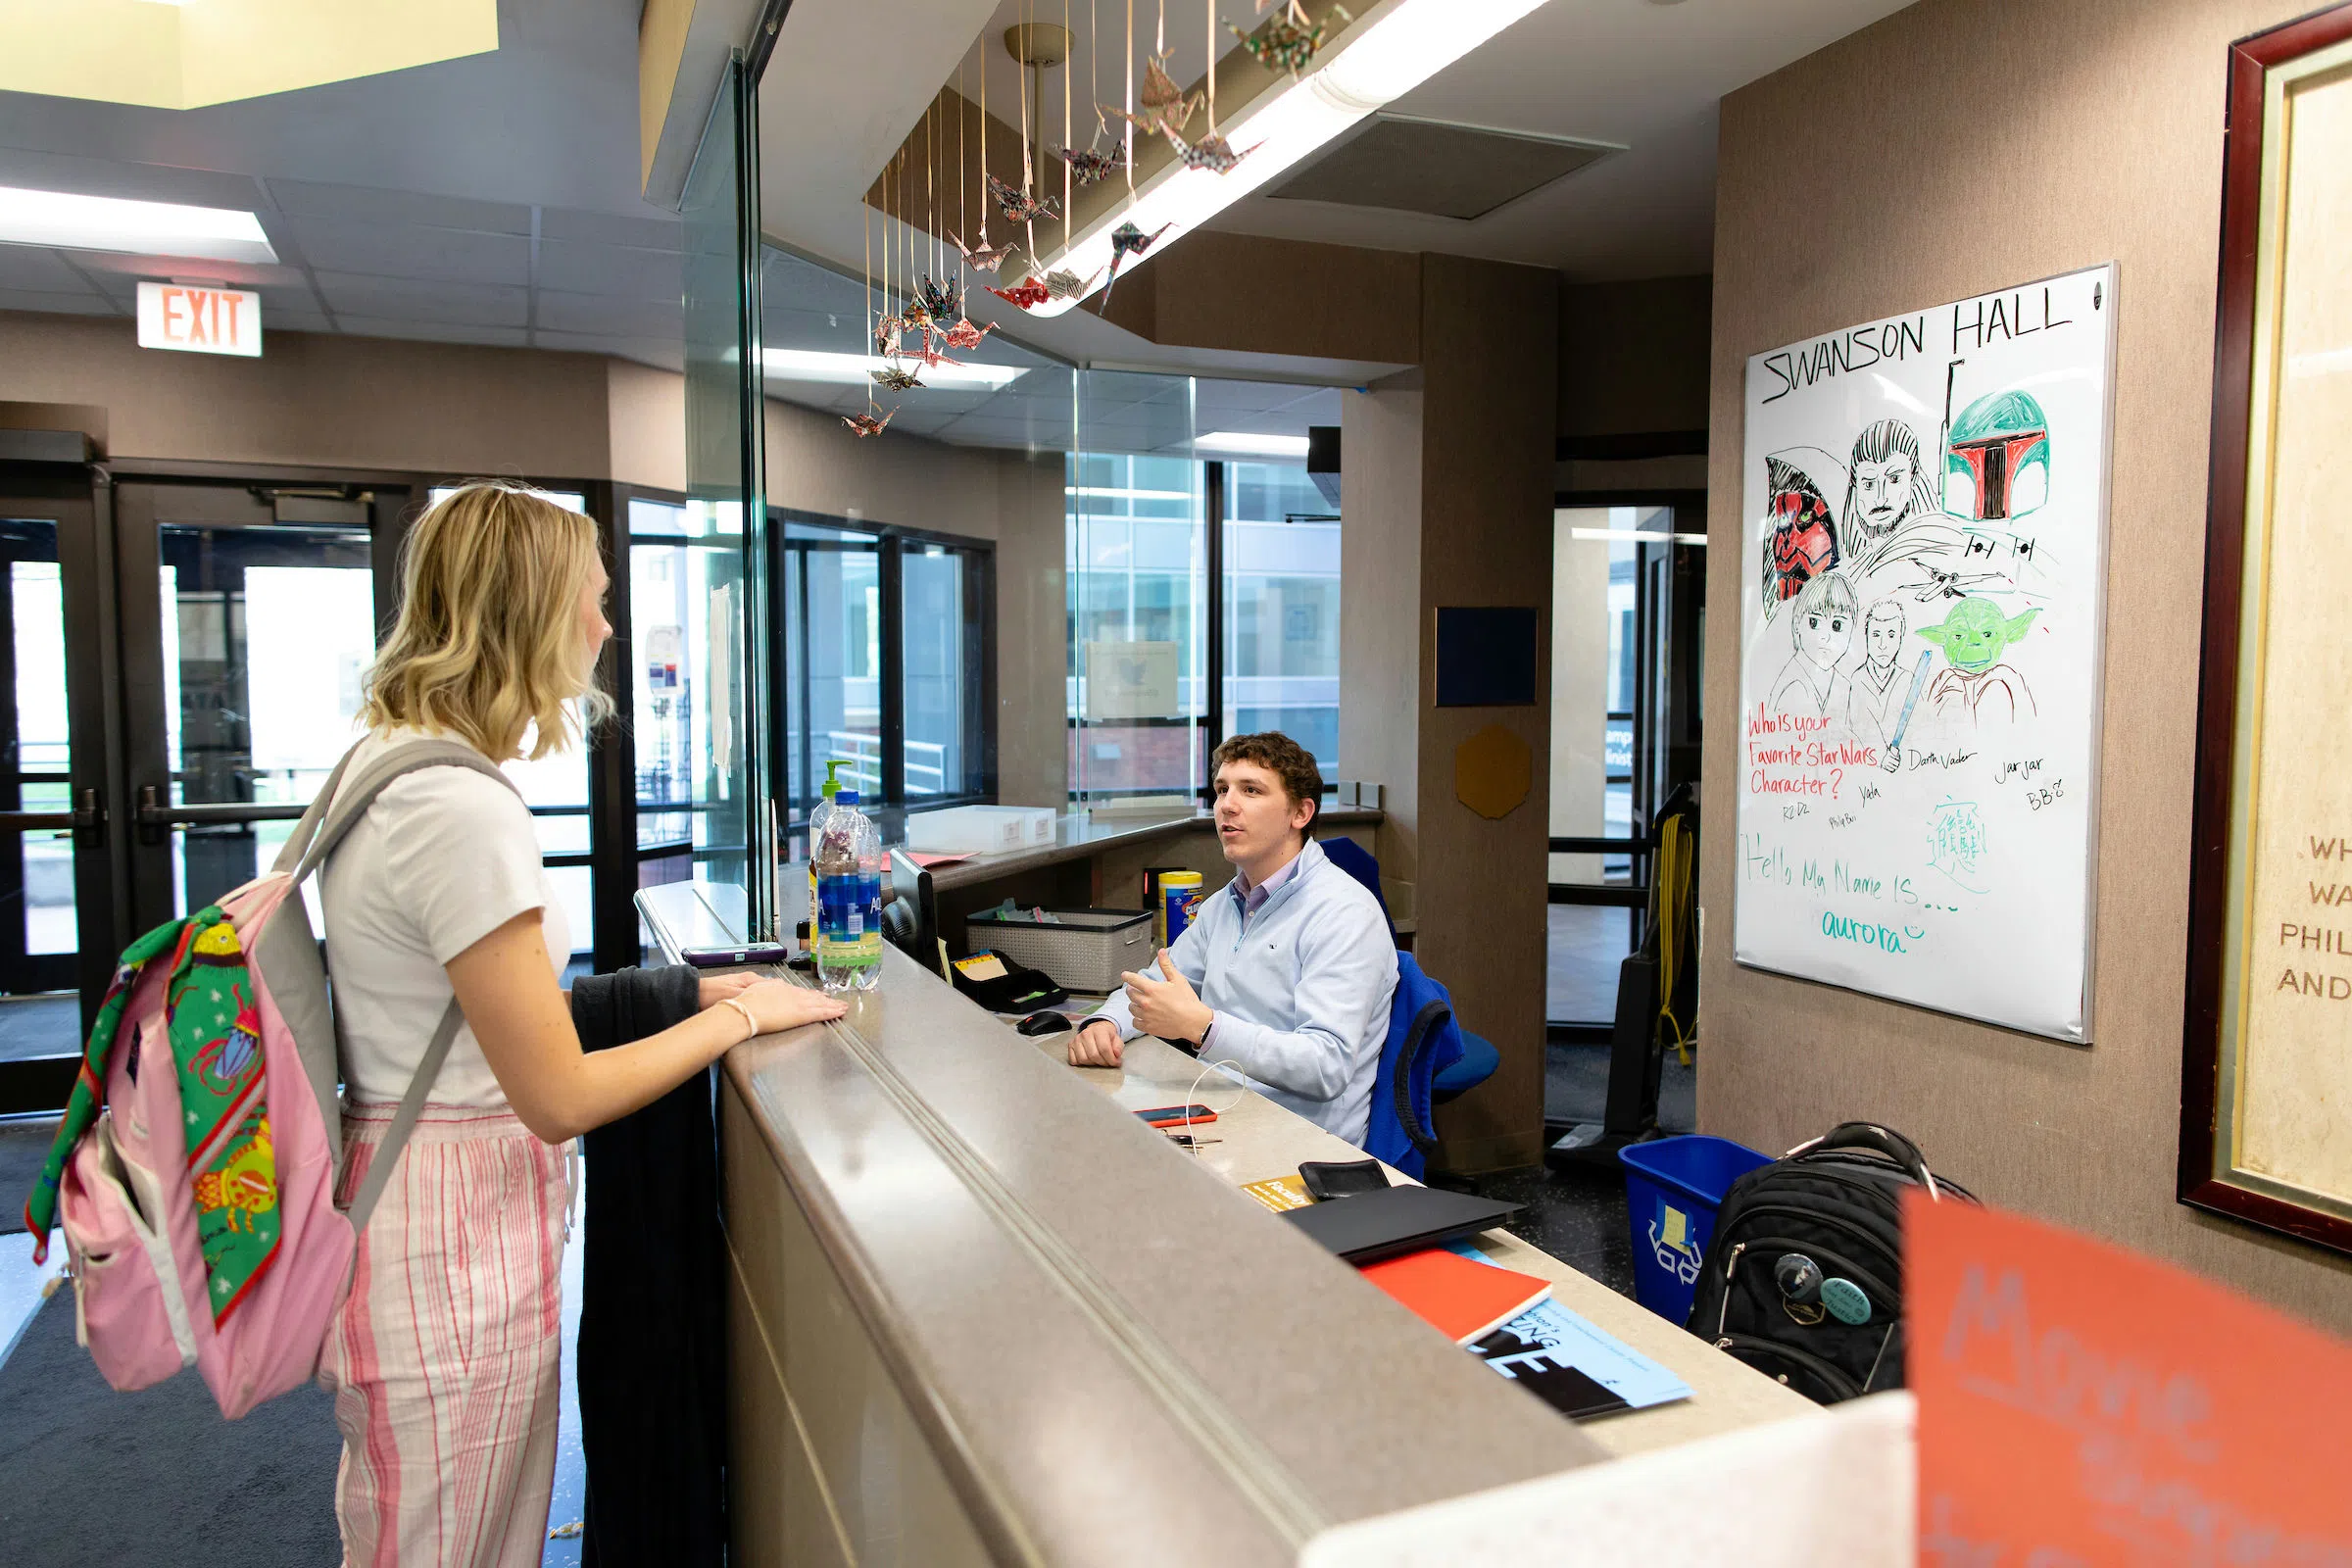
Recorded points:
1803,1277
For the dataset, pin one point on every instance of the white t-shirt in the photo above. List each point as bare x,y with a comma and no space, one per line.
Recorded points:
444,858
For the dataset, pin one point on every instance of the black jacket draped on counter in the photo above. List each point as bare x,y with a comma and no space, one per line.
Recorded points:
653,1349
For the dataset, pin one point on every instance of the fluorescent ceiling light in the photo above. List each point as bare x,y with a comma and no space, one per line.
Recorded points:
1242,444
138,228
1637,536
1392,49
856,369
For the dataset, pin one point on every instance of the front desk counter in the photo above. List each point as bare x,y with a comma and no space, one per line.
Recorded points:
979,1314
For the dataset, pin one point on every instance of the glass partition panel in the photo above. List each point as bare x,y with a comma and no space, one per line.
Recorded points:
726,580
1282,609
1138,652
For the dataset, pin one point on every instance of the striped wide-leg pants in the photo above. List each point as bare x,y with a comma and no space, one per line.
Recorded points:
444,1357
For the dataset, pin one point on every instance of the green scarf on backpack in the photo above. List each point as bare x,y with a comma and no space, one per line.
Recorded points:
212,1021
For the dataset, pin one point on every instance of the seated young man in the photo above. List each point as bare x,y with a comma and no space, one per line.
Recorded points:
1286,971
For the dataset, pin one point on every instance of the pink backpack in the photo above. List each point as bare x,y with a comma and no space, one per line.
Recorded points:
141,1232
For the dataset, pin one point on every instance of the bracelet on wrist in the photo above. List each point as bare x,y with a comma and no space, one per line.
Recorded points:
751,1024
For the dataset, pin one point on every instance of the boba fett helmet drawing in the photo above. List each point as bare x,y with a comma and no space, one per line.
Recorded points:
1997,458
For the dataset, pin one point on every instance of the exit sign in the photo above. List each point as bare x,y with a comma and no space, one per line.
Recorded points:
200,320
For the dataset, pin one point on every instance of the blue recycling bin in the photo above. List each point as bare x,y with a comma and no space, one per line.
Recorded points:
1673,1189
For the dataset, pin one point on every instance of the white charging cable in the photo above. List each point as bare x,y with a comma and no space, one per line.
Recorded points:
1240,1092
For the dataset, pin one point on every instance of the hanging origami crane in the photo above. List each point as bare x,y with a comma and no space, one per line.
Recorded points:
1127,240
987,258
895,377
941,302
928,356
1165,107
965,336
1212,152
1290,41
1089,165
887,333
1066,285
1019,208
866,424
1028,295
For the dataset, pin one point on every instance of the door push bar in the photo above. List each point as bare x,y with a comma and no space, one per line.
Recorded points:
155,818
87,817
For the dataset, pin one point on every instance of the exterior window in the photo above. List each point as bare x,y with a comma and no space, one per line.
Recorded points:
1282,609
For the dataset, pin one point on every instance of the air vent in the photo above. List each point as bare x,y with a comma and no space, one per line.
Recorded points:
1426,165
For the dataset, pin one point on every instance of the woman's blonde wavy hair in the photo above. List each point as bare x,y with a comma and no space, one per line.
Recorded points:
488,644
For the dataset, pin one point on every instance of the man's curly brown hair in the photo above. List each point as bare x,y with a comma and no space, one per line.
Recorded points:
1285,758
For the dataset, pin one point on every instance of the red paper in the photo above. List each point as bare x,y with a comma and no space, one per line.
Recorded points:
927,861
1463,1300
2079,1404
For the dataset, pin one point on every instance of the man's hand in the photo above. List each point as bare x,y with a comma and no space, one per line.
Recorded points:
713,988
1097,1043
1164,1005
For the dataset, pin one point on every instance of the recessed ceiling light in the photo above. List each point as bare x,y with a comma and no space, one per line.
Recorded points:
856,369
139,228
1240,443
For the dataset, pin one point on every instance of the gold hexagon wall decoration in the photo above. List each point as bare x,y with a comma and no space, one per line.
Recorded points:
1493,772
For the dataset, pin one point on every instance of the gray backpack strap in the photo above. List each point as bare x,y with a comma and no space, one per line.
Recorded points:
404,1120
314,837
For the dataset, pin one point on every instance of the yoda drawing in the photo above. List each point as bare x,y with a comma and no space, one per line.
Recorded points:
1977,686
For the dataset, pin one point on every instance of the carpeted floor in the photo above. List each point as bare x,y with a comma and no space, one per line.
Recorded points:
155,1479
23,1145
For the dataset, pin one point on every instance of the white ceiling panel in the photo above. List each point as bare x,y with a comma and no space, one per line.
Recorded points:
629,271
418,301
32,267
511,337
592,312
369,204
274,320
656,230
84,304
665,352
404,250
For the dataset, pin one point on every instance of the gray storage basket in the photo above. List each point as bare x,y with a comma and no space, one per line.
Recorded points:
1087,951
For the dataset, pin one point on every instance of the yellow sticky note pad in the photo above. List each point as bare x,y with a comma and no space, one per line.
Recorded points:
1279,1193
1678,1228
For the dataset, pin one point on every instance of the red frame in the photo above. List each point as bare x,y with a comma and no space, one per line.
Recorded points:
2250,61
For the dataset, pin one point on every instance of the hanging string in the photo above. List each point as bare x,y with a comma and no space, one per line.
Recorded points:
1209,10
963,173
1128,123
1028,159
985,194
870,318
1067,167
930,187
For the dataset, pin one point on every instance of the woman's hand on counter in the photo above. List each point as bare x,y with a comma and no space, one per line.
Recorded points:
779,1004
1097,1043
715,988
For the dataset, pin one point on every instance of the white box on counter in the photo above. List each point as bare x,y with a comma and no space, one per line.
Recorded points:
979,829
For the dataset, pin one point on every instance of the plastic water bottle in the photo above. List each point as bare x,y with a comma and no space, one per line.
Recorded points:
849,891
817,834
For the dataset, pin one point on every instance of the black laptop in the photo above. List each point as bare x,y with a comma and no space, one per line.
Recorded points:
1369,1226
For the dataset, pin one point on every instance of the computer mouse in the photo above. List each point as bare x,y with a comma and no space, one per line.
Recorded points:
1042,1023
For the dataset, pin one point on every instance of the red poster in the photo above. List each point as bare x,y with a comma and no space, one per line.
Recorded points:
2081,1404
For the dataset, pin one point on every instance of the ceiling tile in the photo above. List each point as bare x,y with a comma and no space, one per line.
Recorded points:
622,271
274,320
365,204
472,303
432,332
37,268
130,182
654,232
668,353
590,313
83,304
104,265
397,250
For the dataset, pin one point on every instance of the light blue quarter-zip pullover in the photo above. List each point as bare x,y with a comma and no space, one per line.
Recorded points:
1300,986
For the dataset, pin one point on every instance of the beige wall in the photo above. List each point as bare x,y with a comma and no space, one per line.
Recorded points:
1449,503
319,400
2022,141
1009,498
1634,356
330,402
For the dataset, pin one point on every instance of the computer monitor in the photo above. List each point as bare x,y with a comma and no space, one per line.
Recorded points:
910,915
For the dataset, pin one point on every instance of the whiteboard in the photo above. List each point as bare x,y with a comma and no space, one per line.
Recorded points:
1924,505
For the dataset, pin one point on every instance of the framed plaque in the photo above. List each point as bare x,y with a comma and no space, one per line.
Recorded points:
2266,1101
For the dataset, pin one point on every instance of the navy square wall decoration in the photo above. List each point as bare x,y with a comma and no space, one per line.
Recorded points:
1486,657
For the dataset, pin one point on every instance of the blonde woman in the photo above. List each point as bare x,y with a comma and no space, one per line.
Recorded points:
444,1357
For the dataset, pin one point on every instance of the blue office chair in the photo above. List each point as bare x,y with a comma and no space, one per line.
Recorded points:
1479,1058
1423,1041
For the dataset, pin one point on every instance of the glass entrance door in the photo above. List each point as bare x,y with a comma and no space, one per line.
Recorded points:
248,619
58,931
